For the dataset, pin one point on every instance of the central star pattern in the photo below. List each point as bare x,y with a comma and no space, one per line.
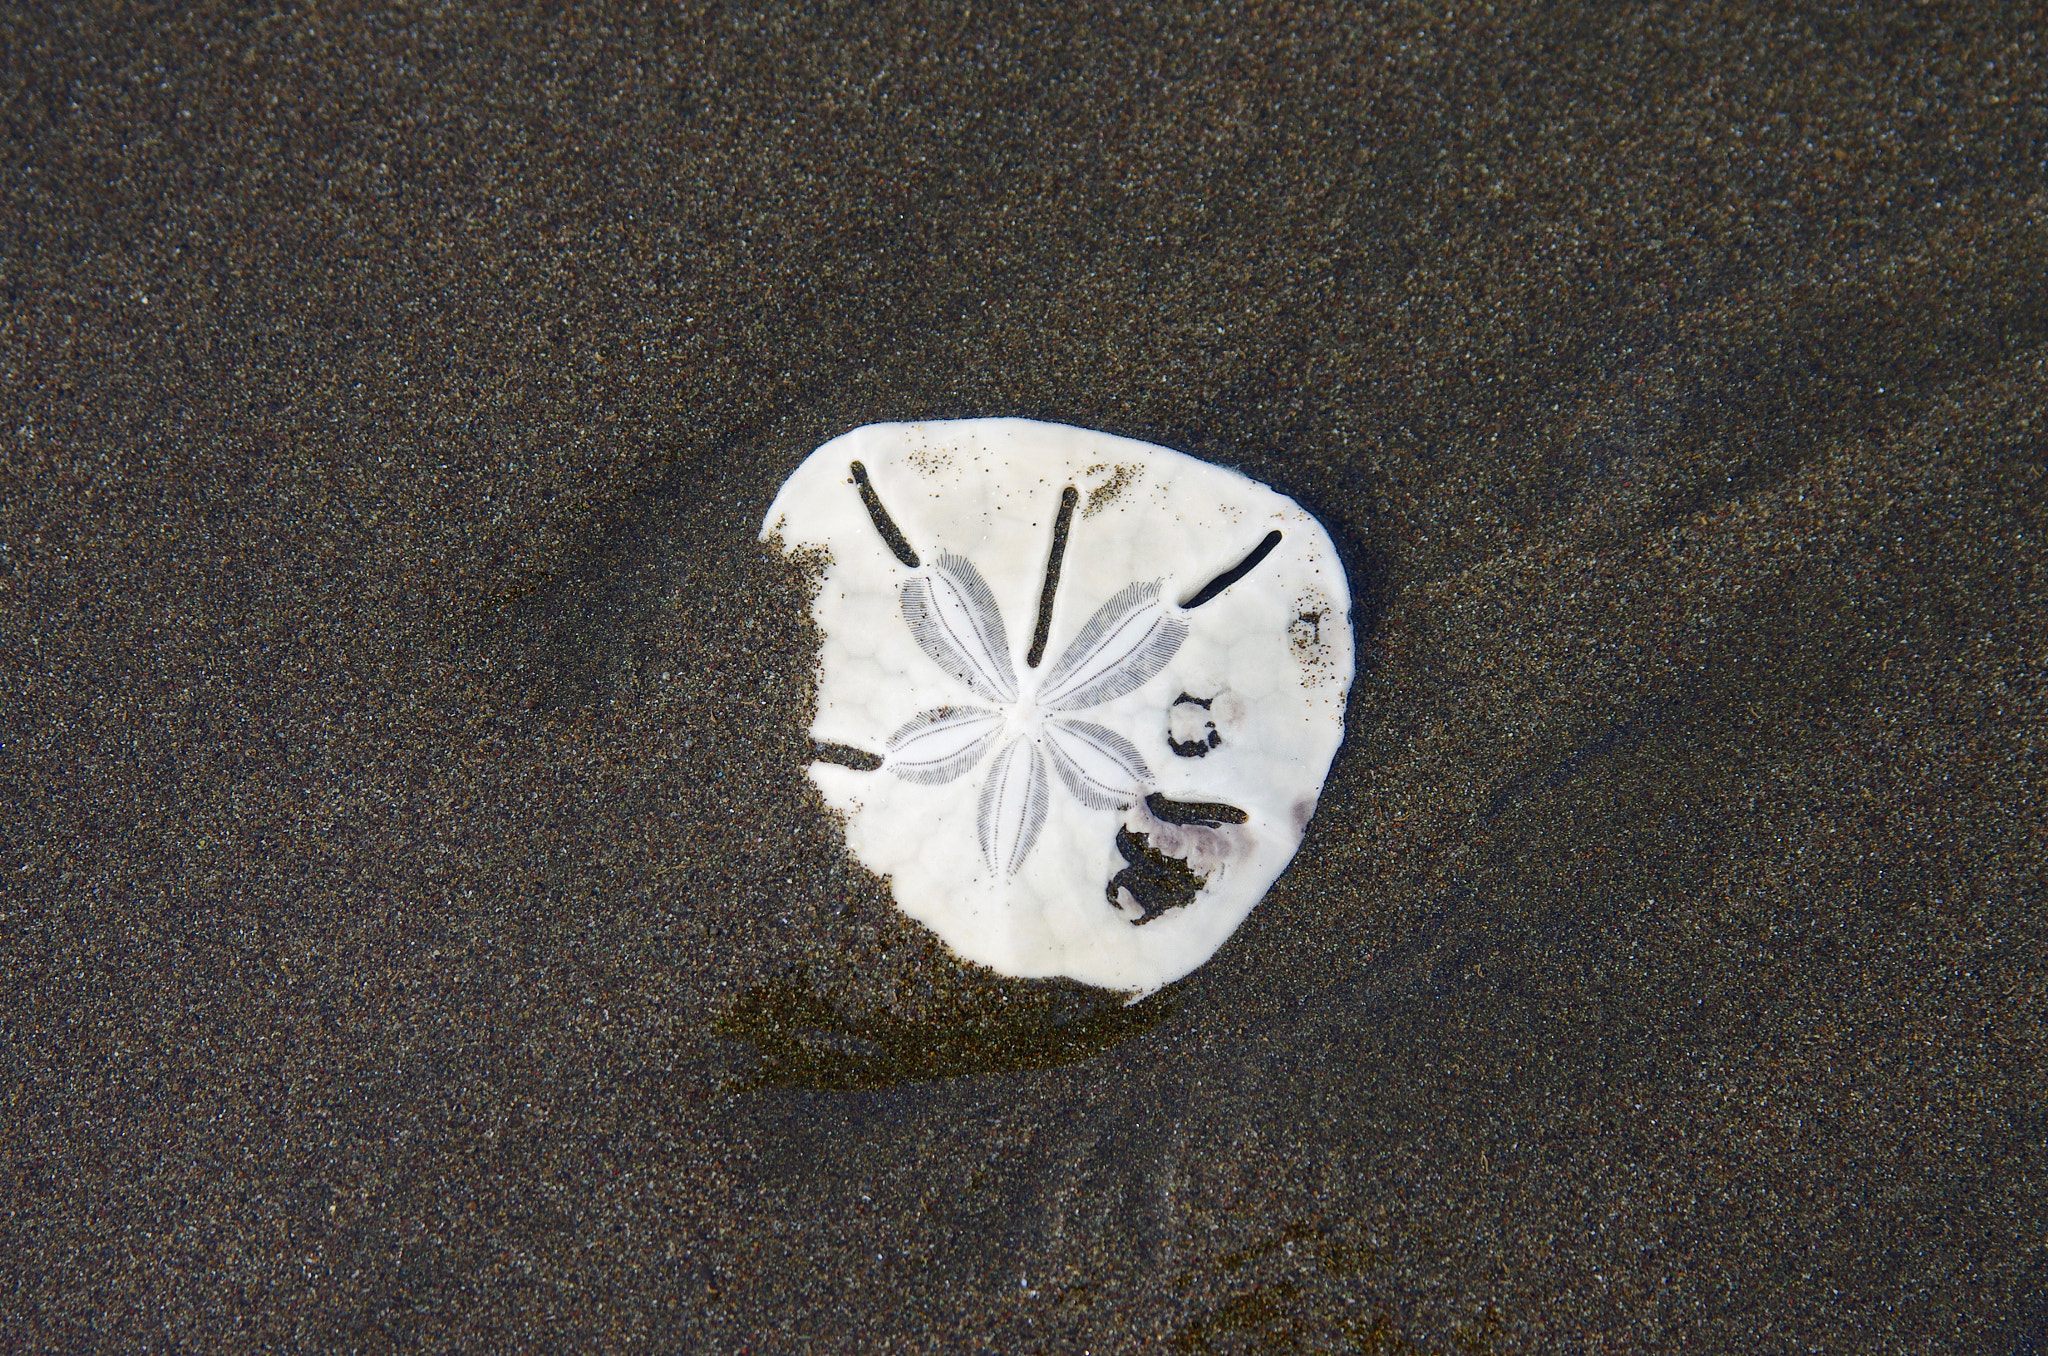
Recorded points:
1031,721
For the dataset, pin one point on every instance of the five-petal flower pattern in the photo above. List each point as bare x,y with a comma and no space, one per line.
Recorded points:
1031,720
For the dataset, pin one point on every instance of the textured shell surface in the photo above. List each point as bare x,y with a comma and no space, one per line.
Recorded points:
1076,695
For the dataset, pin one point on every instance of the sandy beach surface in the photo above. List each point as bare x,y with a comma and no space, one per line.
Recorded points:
418,932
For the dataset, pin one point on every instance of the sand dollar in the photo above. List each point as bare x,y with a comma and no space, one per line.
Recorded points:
1077,695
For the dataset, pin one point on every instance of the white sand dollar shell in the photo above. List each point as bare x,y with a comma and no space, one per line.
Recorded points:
1099,682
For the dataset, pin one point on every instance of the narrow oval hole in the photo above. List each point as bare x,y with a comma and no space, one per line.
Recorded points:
1068,498
884,524
1209,812
845,755
1235,572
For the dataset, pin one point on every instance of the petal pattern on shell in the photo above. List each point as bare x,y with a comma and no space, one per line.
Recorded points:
1103,769
1013,803
954,617
1128,640
939,745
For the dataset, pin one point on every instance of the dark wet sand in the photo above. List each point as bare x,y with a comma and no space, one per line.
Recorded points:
416,931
